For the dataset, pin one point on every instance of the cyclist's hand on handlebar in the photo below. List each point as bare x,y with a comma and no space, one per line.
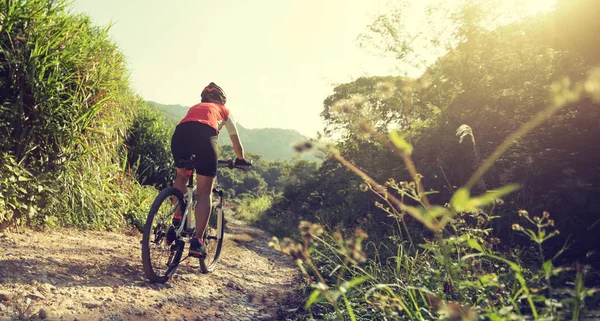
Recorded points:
241,162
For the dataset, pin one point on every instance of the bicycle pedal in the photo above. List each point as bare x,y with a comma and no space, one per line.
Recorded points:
171,235
197,255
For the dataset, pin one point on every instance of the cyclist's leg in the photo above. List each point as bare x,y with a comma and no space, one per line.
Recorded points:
180,150
206,170
180,180
203,207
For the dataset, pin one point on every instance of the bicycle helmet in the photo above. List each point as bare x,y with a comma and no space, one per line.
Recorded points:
213,93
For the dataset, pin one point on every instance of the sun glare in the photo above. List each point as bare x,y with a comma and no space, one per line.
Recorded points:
528,7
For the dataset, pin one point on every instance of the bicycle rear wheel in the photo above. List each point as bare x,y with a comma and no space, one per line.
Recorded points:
213,237
161,251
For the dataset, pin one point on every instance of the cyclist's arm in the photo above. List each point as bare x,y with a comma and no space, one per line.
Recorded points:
237,146
235,138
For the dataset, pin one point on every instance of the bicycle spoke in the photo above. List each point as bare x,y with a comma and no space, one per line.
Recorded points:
162,253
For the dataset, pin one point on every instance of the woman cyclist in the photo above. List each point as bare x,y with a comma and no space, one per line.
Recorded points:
197,134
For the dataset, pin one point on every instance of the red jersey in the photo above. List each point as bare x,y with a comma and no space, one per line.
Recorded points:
211,114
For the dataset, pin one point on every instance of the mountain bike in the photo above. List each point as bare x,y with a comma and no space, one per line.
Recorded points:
164,240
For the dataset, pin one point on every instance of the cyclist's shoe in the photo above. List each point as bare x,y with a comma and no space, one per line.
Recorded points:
197,248
171,235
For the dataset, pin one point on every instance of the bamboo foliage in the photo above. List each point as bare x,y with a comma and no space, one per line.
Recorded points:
65,108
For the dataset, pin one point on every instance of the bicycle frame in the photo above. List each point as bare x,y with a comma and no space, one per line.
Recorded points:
186,231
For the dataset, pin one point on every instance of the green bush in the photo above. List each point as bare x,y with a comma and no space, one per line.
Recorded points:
251,209
148,148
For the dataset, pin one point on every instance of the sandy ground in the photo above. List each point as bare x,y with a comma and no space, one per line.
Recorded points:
86,275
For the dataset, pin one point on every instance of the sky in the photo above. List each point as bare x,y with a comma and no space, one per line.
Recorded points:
277,60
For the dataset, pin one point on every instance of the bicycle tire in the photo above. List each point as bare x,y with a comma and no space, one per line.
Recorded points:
155,234
213,238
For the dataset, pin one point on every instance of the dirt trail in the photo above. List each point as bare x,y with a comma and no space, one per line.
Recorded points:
83,275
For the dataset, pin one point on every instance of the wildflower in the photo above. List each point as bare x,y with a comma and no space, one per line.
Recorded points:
546,214
498,202
309,230
517,227
523,213
363,187
348,106
551,222
293,250
303,147
355,246
274,244
360,234
337,236
391,182
495,240
304,227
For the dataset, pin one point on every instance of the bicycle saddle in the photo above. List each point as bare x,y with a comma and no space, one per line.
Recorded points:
186,163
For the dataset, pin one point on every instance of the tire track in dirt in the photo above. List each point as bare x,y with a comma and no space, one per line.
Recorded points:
90,275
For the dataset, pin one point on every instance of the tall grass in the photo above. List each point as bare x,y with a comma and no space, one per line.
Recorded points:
65,108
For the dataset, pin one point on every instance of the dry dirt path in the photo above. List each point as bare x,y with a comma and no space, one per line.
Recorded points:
85,275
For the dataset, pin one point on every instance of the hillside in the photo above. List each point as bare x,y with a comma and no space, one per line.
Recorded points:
270,143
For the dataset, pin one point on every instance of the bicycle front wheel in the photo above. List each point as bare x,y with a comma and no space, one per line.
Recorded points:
161,251
213,240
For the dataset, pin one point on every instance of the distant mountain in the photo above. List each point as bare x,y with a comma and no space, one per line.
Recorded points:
270,143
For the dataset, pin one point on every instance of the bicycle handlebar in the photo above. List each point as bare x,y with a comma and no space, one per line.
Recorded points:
230,163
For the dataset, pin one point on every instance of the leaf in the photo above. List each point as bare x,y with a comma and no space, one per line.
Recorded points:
349,308
489,280
460,200
354,282
472,243
505,310
401,143
314,297
492,195
436,211
547,267
420,215
591,292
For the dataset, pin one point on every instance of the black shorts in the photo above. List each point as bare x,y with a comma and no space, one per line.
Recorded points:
195,138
